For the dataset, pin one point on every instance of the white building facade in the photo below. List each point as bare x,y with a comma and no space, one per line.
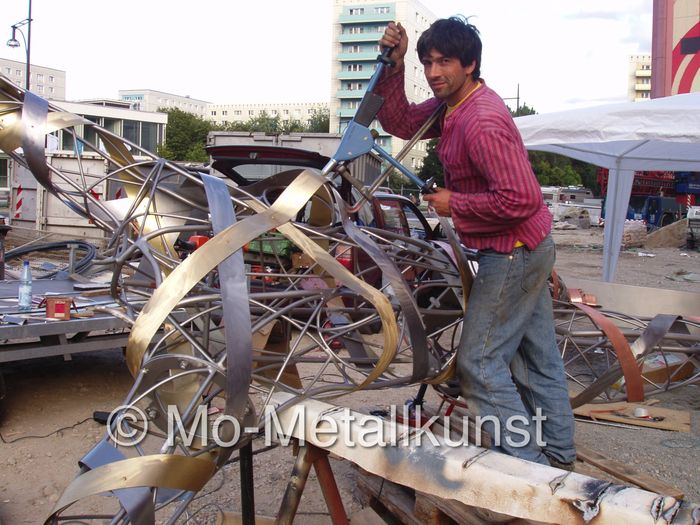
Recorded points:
152,100
224,114
46,82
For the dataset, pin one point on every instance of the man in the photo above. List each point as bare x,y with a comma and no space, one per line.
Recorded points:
507,363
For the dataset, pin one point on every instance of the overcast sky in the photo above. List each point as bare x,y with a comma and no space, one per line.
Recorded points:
562,53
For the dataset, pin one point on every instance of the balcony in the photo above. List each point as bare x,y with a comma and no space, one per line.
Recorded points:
360,37
643,73
356,57
642,87
368,17
350,93
356,75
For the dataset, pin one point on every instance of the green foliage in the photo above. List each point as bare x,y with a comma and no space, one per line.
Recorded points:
432,167
186,136
187,133
522,111
320,122
554,170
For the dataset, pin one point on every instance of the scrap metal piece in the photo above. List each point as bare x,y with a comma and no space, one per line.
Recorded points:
497,482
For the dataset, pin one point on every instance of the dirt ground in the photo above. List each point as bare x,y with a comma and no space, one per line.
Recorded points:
46,425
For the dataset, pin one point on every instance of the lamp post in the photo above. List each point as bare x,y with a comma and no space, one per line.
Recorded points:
517,100
13,42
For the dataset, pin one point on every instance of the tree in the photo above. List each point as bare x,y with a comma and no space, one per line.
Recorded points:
320,121
264,123
522,111
186,136
432,167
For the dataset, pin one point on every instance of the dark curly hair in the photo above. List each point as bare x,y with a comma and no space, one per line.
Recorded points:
454,37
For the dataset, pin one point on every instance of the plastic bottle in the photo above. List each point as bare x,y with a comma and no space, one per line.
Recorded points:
25,287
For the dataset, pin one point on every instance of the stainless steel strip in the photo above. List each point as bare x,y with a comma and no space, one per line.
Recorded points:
234,299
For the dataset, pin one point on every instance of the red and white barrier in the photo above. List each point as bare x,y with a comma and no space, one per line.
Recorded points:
18,203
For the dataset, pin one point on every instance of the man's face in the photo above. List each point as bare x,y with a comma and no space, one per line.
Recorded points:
448,78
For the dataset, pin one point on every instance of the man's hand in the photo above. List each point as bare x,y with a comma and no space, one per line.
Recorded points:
395,37
439,201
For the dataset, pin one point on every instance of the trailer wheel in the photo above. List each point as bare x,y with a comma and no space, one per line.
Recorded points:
666,220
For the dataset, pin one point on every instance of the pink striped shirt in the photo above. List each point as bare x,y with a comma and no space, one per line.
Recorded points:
497,199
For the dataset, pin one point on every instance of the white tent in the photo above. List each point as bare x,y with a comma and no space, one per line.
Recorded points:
660,134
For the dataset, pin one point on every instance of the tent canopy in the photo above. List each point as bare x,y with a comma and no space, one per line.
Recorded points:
661,134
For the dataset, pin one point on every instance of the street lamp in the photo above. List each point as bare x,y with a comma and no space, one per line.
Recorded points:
13,42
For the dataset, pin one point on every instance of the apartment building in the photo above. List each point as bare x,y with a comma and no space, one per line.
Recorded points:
223,114
639,78
357,27
46,82
152,100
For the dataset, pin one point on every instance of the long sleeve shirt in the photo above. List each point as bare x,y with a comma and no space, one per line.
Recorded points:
496,199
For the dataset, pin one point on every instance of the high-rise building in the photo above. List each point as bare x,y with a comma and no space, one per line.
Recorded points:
357,27
46,82
639,78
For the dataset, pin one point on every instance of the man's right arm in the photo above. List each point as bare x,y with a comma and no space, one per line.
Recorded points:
399,117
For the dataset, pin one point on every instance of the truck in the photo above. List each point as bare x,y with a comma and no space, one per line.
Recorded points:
658,198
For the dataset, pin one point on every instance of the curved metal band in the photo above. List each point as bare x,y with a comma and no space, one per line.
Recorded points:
413,320
234,302
374,296
159,470
466,278
628,364
34,113
655,331
202,261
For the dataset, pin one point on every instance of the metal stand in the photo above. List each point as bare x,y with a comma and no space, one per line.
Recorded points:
247,487
308,455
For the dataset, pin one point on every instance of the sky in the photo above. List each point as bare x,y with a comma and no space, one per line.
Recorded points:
559,54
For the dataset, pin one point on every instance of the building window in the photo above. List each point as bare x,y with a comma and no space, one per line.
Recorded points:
377,48
18,72
51,89
39,77
357,11
353,49
237,112
8,70
40,89
356,30
224,113
274,112
213,113
4,173
51,79
381,10
251,112
354,67
286,112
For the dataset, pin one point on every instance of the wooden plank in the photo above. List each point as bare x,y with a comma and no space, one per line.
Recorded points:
366,516
429,513
626,473
623,412
393,498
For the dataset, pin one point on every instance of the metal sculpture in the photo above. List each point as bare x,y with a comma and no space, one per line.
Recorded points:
210,332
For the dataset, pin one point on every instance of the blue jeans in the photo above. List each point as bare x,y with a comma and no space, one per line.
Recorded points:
508,362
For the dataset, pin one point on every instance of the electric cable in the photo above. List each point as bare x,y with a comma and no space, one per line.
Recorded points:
2,438
80,266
